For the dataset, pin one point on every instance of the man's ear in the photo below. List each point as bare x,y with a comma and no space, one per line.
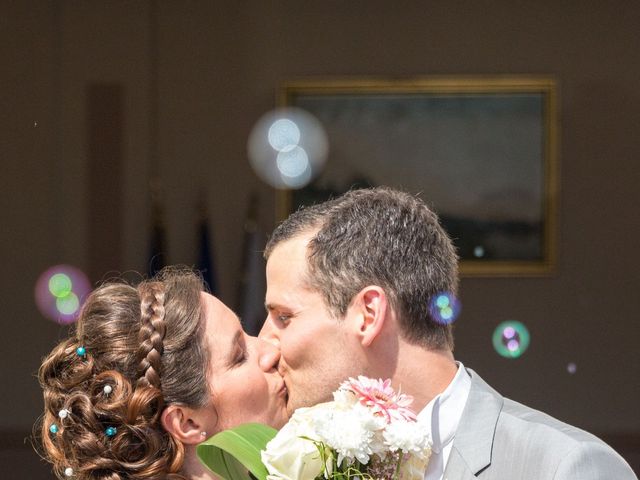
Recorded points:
187,425
371,305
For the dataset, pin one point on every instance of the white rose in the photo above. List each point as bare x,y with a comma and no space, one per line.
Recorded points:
288,456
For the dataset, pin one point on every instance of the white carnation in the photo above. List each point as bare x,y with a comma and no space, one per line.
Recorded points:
344,397
408,437
350,432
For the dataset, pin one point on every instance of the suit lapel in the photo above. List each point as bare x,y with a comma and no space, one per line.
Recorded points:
457,469
473,443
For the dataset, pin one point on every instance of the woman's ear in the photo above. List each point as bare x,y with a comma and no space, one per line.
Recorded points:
371,305
187,425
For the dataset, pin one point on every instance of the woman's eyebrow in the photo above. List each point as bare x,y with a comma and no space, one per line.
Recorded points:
234,342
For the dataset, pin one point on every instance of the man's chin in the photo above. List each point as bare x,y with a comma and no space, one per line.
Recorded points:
293,405
309,398
290,411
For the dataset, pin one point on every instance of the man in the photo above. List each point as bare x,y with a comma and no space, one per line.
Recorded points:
349,283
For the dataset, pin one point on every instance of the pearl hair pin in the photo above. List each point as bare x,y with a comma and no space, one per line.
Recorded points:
64,413
107,389
68,472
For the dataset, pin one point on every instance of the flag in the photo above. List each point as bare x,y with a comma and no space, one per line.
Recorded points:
206,264
253,283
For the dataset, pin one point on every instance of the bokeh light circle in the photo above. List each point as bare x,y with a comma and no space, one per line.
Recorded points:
293,163
444,308
60,291
60,285
511,339
68,305
283,135
288,148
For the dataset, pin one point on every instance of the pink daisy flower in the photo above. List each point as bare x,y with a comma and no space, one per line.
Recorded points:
381,398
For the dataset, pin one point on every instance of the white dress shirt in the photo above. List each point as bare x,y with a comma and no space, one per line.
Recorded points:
443,414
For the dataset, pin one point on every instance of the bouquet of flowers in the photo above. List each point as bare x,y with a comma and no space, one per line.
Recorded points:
367,432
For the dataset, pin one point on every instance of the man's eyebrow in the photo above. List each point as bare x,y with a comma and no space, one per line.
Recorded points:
274,306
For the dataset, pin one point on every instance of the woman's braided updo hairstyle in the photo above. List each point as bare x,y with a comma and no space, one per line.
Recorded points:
146,345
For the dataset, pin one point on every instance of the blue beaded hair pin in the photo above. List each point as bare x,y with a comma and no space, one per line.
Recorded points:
54,428
81,352
110,431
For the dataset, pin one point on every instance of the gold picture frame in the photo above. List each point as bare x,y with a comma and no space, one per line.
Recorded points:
483,151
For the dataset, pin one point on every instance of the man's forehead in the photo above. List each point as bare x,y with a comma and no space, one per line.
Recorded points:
297,244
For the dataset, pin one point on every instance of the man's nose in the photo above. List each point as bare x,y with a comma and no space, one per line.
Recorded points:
269,355
269,333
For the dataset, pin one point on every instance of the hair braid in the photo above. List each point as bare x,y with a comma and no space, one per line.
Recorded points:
133,339
152,332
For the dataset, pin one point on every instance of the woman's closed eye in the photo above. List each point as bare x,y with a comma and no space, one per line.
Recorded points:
240,354
241,357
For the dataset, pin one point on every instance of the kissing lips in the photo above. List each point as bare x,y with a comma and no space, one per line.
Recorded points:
283,392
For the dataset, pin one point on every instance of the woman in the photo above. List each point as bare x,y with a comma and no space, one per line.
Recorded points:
149,373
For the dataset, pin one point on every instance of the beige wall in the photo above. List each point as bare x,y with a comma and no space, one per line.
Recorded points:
215,67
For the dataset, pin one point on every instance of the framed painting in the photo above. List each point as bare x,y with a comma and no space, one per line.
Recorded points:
481,151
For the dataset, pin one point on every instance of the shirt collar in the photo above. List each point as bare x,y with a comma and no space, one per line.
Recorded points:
442,414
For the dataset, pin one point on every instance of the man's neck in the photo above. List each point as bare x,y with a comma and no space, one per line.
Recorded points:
423,373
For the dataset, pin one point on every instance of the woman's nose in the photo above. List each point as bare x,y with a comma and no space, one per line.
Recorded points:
269,355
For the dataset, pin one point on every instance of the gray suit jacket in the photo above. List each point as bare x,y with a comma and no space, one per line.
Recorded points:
499,439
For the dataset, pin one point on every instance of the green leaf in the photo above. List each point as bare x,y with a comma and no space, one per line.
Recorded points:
232,453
